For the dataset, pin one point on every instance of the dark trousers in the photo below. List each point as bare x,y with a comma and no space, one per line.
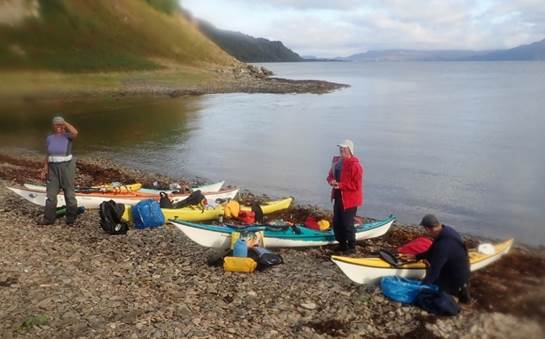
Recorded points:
61,175
459,289
343,223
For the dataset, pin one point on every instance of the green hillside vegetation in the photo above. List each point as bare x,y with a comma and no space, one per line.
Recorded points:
75,36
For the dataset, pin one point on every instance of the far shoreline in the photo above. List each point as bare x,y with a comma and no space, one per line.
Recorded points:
175,82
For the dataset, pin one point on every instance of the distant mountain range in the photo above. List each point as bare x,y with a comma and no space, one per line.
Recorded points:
247,48
533,51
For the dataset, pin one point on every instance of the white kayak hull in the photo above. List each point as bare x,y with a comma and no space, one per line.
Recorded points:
216,238
216,187
204,188
93,201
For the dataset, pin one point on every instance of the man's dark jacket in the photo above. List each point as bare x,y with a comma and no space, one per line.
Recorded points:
449,262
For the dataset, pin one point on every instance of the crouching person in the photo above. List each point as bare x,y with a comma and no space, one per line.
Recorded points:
447,258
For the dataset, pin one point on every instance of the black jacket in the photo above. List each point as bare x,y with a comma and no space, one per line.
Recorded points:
449,262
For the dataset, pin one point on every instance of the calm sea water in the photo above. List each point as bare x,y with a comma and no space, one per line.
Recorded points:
462,140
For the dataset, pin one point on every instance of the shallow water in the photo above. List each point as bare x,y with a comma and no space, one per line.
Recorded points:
462,140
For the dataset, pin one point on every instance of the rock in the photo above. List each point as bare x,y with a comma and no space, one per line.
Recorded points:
309,306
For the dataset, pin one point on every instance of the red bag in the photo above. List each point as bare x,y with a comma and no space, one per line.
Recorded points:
310,222
246,217
416,246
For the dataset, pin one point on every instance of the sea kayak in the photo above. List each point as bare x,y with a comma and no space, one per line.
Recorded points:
370,270
203,188
99,188
93,200
196,213
219,236
132,188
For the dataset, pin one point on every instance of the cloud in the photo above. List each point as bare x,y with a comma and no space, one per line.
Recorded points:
343,27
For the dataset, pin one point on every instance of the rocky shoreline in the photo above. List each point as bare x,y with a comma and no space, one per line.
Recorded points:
238,78
78,282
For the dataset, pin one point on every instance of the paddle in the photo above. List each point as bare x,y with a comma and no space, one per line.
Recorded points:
389,257
393,259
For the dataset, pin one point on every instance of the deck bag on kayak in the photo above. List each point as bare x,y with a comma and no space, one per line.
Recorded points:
264,257
246,217
111,217
238,264
147,213
231,209
416,246
324,225
164,201
195,198
437,302
403,290
310,222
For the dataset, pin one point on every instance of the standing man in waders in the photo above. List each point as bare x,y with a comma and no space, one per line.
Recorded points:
59,170
346,180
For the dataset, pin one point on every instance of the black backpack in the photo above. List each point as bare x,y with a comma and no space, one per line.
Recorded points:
110,217
264,257
195,198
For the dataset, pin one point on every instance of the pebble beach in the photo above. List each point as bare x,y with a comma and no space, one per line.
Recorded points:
79,282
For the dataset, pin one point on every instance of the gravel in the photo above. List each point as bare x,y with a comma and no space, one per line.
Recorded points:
79,282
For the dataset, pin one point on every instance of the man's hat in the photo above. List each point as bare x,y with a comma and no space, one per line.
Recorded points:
349,144
429,221
58,120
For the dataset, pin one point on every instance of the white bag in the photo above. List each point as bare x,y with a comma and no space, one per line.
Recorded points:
486,248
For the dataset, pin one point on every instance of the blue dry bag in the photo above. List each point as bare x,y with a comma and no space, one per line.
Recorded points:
402,289
147,213
240,249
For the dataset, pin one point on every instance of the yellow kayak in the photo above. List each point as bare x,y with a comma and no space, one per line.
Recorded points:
196,213
270,207
370,270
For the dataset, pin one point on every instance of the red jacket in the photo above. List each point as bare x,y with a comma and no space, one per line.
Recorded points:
351,183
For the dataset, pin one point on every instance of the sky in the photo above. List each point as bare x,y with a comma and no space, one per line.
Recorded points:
330,28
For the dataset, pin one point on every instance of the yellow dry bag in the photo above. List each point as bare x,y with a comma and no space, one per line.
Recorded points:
239,264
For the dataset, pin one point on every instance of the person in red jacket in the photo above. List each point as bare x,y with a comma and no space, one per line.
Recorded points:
346,179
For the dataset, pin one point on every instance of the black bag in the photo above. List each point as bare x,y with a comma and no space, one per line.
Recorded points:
215,259
437,302
165,202
264,257
258,212
110,217
195,198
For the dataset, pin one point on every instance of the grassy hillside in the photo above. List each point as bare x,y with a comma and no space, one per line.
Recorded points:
102,35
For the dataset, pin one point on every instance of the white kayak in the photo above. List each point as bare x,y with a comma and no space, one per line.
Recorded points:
215,187
371,270
219,236
93,200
